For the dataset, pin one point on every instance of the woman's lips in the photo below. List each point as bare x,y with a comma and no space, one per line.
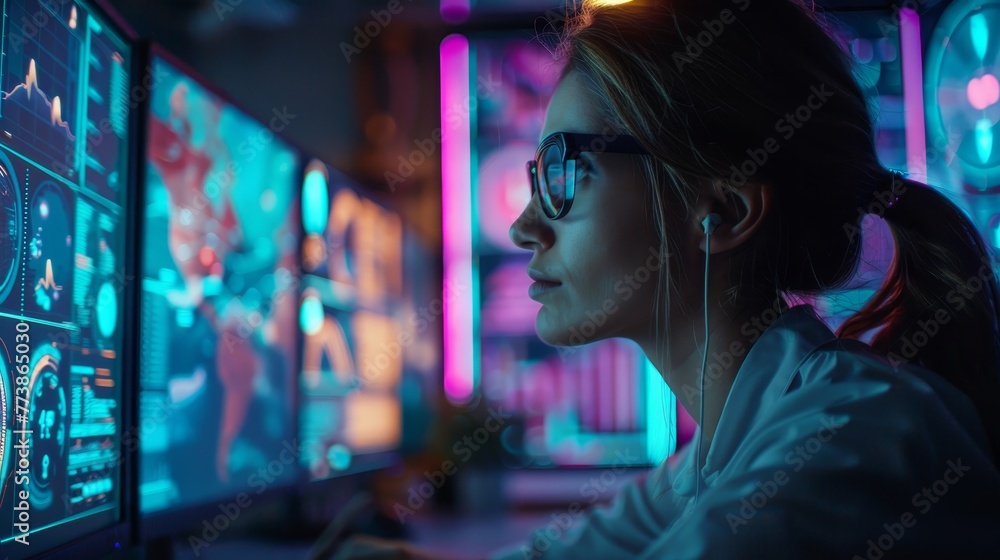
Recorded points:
542,287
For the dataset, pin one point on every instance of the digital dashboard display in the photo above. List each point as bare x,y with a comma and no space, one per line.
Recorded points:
219,295
64,137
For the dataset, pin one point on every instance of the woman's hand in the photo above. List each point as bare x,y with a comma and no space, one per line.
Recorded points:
371,548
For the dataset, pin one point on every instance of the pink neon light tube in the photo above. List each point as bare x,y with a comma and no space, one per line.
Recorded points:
456,227
913,93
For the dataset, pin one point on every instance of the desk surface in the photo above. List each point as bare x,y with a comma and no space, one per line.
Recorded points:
452,536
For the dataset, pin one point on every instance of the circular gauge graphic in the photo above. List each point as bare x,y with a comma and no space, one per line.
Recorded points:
315,215
107,310
315,199
963,90
311,314
6,408
11,228
47,422
339,457
50,261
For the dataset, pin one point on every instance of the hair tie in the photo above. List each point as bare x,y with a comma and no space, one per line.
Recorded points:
896,178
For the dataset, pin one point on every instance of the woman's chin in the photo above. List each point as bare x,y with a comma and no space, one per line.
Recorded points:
550,330
556,331
553,339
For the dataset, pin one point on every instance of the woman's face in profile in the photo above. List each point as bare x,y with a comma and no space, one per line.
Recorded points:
602,258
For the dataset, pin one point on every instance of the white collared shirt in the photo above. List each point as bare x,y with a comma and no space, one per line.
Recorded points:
824,449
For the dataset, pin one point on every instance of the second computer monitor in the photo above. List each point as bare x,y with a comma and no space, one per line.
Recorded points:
219,299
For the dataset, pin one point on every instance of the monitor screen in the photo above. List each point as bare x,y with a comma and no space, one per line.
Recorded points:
219,292
962,99
354,334
64,137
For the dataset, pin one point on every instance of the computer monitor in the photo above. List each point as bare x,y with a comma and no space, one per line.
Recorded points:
218,353
962,97
65,136
353,324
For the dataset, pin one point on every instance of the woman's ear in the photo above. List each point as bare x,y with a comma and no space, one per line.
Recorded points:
743,210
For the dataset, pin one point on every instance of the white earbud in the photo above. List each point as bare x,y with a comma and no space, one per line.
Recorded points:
710,223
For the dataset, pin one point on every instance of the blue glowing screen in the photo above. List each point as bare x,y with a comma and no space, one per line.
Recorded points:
219,285
64,137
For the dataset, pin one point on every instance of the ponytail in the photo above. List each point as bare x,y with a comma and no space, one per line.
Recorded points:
939,301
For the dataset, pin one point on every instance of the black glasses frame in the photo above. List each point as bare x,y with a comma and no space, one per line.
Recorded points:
571,145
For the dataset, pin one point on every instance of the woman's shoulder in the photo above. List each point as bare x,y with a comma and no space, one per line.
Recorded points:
854,447
853,363
883,392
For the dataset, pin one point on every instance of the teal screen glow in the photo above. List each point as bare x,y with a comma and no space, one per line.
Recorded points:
219,294
64,138
962,94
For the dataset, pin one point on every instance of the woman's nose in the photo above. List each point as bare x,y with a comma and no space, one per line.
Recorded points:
531,229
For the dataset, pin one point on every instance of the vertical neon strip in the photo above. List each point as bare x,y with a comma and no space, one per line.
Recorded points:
626,381
472,102
588,394
913,92
455,11
456,227
661,425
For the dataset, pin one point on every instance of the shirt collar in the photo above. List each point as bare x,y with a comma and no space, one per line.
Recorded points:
763,377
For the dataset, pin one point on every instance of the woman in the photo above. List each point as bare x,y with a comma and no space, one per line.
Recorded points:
811,443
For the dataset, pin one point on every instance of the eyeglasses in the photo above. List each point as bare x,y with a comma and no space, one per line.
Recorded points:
553,171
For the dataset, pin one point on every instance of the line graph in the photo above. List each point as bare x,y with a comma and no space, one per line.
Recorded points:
54,105
40,114
49,281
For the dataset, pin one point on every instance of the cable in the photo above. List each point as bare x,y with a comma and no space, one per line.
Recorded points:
339,529
710,222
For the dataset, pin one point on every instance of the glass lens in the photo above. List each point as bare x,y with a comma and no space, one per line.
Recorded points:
552,179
